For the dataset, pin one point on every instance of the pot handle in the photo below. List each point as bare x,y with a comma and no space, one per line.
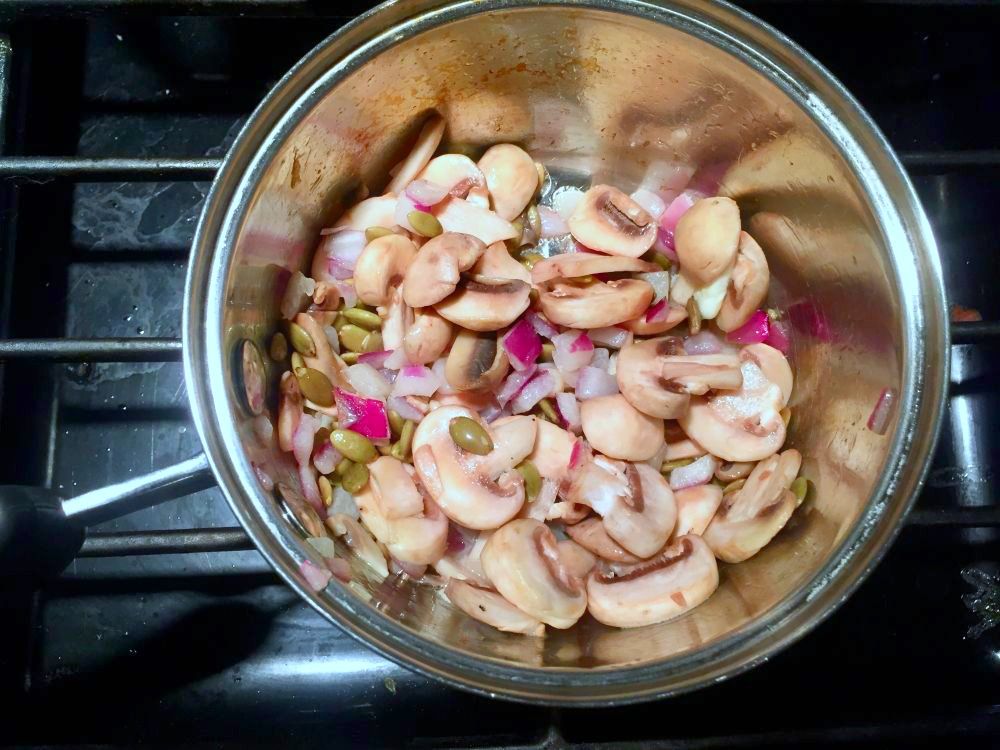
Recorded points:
40,533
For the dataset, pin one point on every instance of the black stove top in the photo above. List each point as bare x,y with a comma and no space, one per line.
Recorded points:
210,647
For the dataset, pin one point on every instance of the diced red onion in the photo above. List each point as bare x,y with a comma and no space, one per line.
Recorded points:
553,225
326,457
581,343
341,251
347,292
668,221
878,420
568,359
404,408
695,473
779,336
538,509
318,578
576,455
491,411
445,388
612,336
565,200
339,567
660,281
539,387
416,380
593,382
541,325
389,375
456,540
404,205
425,193
754,331
298,294
704,342
569,410
376,359
658,312
310,490
601,360
368,381
707,179
522,345
651,202
396,360
664,245
513,384
366,416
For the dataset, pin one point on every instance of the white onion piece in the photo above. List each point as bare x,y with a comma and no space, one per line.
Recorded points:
553,225
569,410
326,457
416,380
514,383
593,382
318,578
542,327
704,342
396,360
565,200
695,473
425,193
298,294
343,246
570,361
343,502
367,381
404,408
612,336
538,509
660,281
444,389
650,201
601,360
540,386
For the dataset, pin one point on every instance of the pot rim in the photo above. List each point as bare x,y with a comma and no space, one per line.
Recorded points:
919,283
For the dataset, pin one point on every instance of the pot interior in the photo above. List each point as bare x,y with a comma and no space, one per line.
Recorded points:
602,96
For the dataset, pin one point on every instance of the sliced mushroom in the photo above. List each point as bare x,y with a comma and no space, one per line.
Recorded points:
427,142
456,172
680,578
522,561
730,471
634,500
465,563
464,216
437,267
640,381
479,492
696,506
511,177
482,303
697,374
706,239
577,560
596,305
570,265
289,410
427,338
418,539
497,262
397,319
490,607
395,491
772,366
747,285
592,536
684,448
359,541
475,361
371,212
608,220
514,438
553,450
615,428
750,517
325,360
676,314
381,266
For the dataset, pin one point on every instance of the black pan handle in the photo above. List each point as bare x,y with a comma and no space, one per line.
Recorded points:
40,533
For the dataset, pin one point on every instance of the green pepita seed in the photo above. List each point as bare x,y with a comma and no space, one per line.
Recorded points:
662,261
355,478
470,436
384,448
675,464
350,358
301,340
363,318
372,342
339,322
279,347
342,466
396,422
549,410
424,224
694,316
297,361
353,337
547,350
373,233
534,220
800,488
401,449
733,486
532,479
354,445
528,260
325,490
315,386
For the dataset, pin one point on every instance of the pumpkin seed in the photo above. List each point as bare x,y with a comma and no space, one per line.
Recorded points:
396,422
325,490
470,436
350,358
532,479
297,361
534,220
372,342
342,466
662,261
315,386
355,478
401,449
384,448
353,337
675,464
363,318
528,260
547,350
800,488
301,340
339,322
549,410
694,316
279,347
373,233
424,224
733,486
354,445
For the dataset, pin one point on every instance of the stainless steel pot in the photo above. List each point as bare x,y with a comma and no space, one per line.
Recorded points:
609,87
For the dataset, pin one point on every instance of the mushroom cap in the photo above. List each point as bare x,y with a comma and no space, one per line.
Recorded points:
426,144
696,506
593,537
608,220
418,539
397,319
617,429
730,471
596,305
359,541
553,450
482,303
511,177
697,374
706,239
773,366
748,285
570,265
465,216
514,438
371,212
382,266
522,561
437,267
394,489
750,517
640,382
676,314
475,361
680,578
457,172
478,492
497,262
577,560
490,607
427,338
